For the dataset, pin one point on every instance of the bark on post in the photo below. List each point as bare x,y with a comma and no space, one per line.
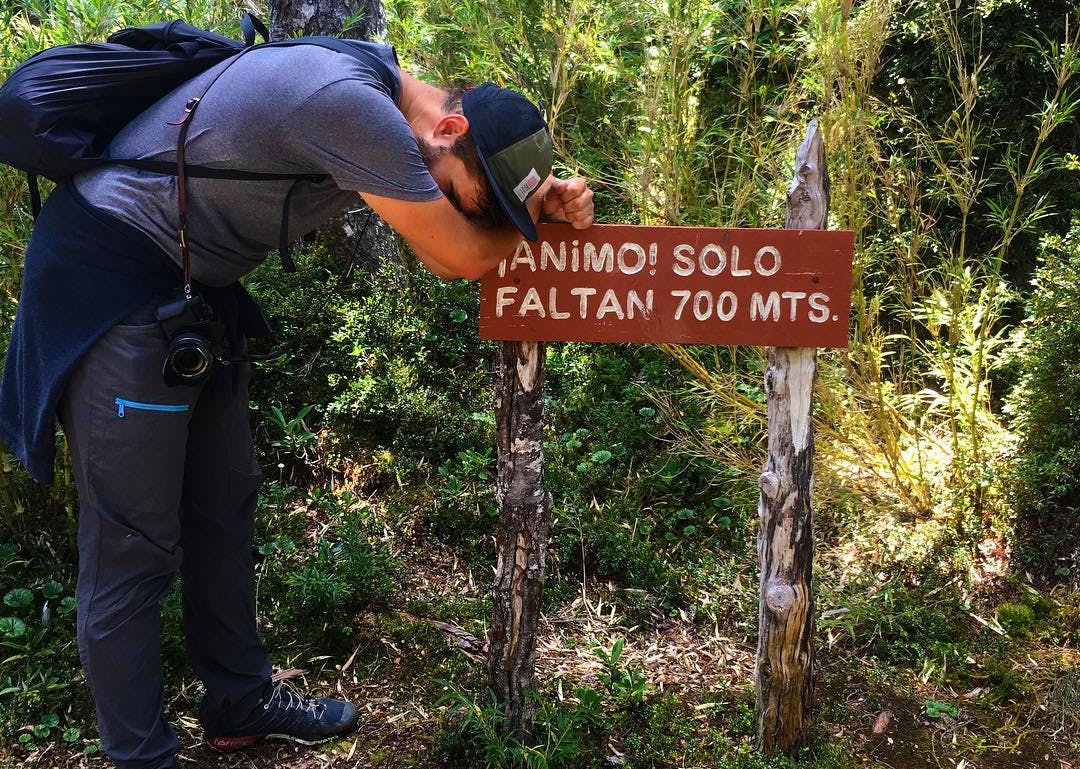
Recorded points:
785,654
290,18
521,540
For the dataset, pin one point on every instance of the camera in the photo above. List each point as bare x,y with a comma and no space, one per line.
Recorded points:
196,339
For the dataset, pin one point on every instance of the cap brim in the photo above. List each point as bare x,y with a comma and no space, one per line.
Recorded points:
518,212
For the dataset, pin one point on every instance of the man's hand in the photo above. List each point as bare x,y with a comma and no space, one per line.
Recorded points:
567,200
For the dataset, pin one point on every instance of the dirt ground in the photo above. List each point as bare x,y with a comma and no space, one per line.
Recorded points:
883,725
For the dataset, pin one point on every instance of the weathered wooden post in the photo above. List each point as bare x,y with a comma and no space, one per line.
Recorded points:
785,653
521,541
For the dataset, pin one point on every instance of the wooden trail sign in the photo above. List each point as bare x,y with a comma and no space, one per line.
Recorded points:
689,285
786,289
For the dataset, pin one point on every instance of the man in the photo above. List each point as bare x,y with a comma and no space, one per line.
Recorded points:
166,473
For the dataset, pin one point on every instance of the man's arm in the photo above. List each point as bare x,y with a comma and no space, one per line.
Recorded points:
452,247
445,241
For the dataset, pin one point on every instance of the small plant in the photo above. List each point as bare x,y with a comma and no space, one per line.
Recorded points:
567,735
294,435
935,709
627,685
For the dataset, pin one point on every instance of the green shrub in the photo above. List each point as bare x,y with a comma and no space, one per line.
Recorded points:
1045,407
305,588
1018,619
568,735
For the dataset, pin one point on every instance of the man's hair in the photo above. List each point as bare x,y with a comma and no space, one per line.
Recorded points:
464,148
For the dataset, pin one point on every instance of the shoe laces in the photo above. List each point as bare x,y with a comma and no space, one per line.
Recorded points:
285,699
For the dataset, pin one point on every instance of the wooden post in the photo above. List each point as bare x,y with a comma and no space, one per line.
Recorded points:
785,654
521,540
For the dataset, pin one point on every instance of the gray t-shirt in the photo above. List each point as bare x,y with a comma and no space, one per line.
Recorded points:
294,110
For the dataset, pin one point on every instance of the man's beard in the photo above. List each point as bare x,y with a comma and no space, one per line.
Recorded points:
430,153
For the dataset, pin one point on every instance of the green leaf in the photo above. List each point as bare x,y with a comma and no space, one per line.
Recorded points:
588,698
52,589
601,456
277,417
18,598
936,709
688,530
459,316
91,749
41,731
583,466
12,627
67,605
51,720
647,412
71,734
723,522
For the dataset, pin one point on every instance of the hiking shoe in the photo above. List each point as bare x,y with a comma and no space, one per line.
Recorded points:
285,715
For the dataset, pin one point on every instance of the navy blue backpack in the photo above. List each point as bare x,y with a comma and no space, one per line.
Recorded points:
60,109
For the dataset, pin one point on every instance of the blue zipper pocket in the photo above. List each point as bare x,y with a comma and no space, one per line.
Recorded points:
124,403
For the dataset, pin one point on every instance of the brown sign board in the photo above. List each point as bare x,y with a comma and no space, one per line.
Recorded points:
689,285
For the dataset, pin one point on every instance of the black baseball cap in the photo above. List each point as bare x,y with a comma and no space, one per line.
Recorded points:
514,145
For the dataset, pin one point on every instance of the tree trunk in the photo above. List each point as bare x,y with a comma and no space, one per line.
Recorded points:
521,540
357,232
785,655
354,19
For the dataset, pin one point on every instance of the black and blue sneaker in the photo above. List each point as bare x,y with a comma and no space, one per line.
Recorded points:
285,715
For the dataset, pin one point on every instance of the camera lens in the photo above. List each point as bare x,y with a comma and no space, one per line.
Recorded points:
189,359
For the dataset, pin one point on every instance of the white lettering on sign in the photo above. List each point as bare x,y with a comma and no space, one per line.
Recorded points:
547,254
599,262
793,297
583,294
633,302
759,257
503,297
635,305
712,260
610,304
531,303
629,258
761,309
523,255
553,294
727,304
638,255
683,285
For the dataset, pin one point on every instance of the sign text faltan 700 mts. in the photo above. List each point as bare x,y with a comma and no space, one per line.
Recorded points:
690,285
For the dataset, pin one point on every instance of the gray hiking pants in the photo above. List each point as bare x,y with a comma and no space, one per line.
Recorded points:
167,481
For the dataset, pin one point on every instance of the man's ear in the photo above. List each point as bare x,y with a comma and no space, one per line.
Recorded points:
451,126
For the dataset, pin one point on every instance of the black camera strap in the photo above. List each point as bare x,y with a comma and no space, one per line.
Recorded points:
181,172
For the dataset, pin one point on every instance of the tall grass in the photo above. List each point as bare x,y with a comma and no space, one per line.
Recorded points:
910,411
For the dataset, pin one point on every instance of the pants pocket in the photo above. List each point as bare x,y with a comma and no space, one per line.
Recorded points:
138,424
